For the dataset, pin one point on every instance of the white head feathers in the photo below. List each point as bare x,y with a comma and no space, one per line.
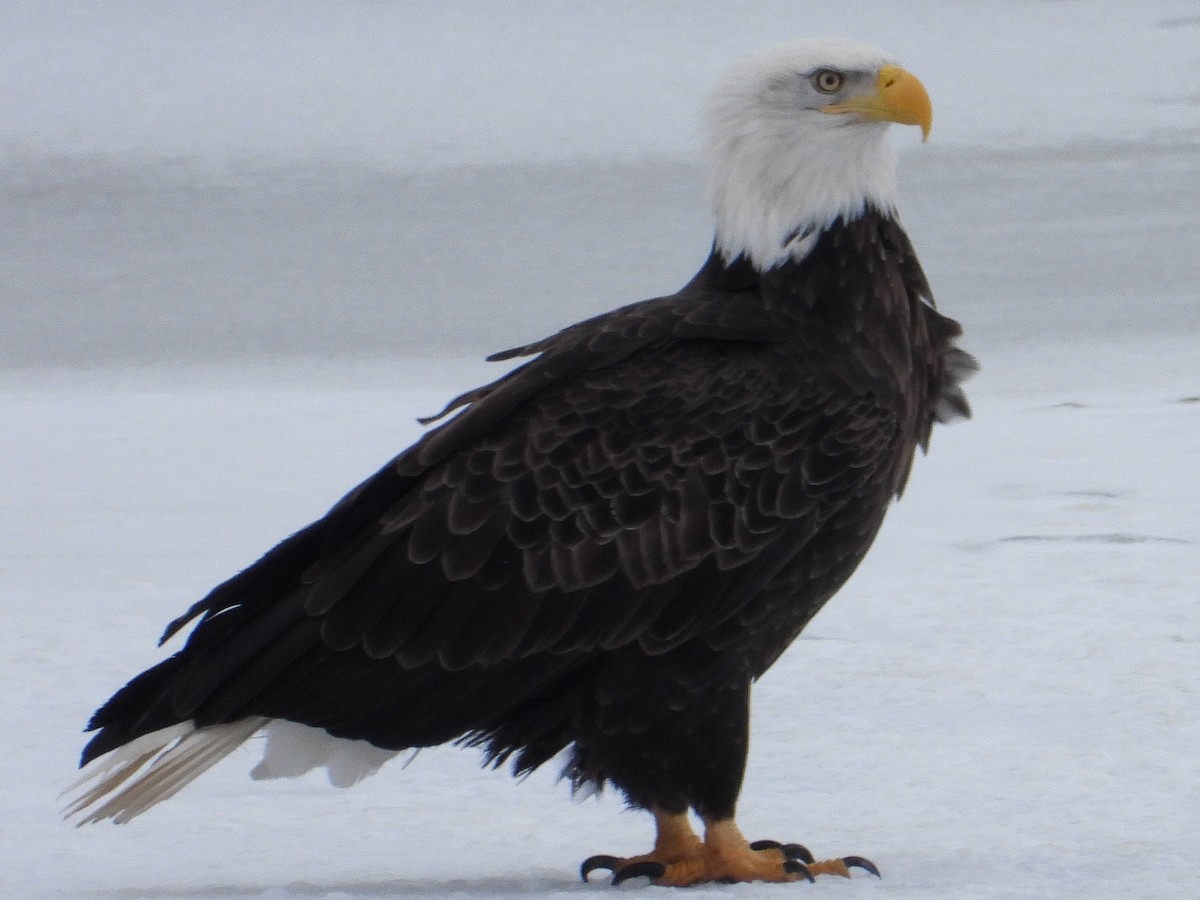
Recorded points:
780,169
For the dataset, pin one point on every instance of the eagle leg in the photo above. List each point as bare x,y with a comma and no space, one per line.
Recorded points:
723,856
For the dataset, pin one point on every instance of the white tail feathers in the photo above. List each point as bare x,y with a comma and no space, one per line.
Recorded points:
131,779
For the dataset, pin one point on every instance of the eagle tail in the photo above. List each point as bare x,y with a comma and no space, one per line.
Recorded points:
134,777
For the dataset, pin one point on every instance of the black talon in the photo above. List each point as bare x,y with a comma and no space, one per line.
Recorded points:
766,845
795,867
861,863
592,863
645,869
789,851
797,851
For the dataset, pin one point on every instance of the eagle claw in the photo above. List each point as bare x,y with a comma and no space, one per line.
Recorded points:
861,863
600,861
795,867
789,851
645,869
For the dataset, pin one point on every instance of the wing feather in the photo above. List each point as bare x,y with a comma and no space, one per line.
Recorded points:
569,508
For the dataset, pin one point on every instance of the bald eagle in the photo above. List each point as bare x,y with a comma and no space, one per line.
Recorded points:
600,551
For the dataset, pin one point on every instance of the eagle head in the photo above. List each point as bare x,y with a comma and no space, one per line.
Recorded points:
795,139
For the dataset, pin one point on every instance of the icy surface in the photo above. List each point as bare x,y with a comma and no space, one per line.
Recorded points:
427,83
235,267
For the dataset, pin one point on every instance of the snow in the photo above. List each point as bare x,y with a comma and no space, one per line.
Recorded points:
235,270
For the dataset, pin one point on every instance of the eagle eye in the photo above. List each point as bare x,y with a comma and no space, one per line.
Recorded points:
828,81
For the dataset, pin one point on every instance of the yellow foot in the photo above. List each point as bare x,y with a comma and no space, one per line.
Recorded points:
675,843
724,856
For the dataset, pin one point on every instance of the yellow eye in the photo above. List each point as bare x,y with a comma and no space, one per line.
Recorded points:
827,81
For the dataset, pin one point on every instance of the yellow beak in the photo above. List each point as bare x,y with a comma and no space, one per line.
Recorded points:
898,97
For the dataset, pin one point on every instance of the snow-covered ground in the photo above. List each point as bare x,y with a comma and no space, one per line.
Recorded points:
244,245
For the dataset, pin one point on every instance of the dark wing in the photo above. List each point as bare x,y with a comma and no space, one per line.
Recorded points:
947,364
639,481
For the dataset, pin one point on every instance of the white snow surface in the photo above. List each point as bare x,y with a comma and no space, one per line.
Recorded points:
245,244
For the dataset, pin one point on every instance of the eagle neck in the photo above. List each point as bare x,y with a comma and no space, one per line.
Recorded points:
770,202
842,257
858,275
